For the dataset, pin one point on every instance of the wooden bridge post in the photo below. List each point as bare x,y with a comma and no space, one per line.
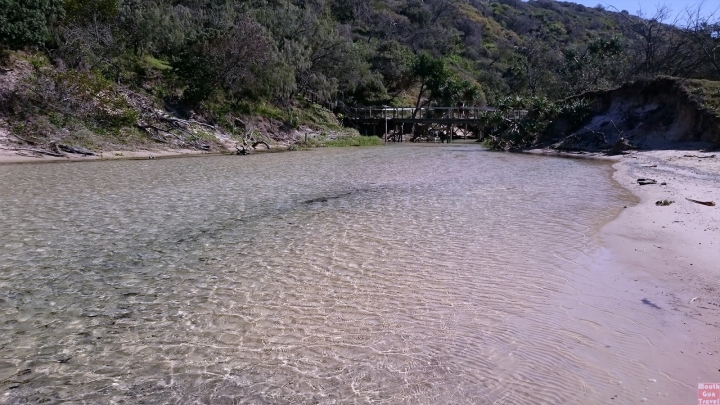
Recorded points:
386,129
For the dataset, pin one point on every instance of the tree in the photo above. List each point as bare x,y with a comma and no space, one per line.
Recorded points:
394,62
704,31
531,67
346,11
431,74
87,10
661,48
219,61
26,22
599,65
456,91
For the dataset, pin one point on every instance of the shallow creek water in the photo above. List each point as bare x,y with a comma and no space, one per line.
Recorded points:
403,274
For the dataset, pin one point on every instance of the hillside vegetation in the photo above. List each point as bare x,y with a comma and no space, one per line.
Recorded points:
206,73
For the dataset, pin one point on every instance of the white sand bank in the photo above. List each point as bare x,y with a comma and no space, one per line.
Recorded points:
661,271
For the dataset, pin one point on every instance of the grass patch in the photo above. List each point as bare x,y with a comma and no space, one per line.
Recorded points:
707,93
259,108
349,137
158,64
354,141
316,116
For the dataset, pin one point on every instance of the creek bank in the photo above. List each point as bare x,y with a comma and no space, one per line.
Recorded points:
659,114
49,113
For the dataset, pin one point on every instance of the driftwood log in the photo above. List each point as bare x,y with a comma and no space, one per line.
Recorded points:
40,151
255,145
708,203
78,151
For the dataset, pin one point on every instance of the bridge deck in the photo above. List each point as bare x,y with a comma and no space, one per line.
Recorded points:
427,114
415,121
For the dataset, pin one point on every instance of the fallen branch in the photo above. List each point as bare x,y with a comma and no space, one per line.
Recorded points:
202,124
177,121
36,156
240,123
43,152
176,136
146,127
599,135
72,149
700,157
23,139
708,203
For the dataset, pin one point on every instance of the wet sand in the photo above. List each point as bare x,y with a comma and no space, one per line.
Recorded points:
660,270
677,245
668,258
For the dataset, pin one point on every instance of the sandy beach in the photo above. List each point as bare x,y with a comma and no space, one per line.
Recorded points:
9,156
11,153
668,259
677,246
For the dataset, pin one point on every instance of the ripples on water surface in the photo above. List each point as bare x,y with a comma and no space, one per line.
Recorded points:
411,274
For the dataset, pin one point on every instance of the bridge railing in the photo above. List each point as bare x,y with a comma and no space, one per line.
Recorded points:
433,113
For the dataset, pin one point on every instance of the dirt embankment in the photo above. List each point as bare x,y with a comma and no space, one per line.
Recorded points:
664,113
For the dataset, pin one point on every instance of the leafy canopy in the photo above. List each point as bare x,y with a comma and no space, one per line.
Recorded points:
26,22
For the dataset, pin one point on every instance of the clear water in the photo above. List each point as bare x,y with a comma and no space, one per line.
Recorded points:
412,274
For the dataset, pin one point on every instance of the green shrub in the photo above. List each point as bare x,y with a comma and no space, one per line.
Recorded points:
355,141
535,119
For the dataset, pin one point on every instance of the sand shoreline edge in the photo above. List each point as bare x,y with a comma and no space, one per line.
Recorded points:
11,157
665,259
659,265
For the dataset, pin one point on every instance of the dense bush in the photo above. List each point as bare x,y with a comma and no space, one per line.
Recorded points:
27,22
538,114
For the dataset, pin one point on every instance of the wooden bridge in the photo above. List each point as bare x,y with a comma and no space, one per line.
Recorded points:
439,122
457,115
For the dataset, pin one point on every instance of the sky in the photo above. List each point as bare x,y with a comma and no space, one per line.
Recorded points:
650,6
